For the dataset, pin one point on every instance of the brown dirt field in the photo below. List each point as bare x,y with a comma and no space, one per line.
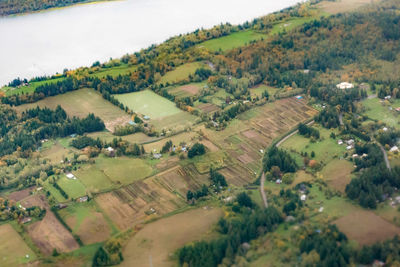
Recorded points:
208,108
210,145
35,200
93,229
56,153
344,5
191,89
127,206
302,176
245,159
366,228
49,233
338,174
158,240
20,195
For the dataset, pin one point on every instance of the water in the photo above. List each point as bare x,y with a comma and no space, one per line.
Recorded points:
47,42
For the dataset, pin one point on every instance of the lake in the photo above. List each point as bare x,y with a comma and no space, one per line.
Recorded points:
47,42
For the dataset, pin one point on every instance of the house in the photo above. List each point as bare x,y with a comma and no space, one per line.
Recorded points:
340,142
384,129
349,147
303,197
278,181
355,156
157,155
110,149
132,123
83,199
299,97
25,220
146,117
70,176
350,142
321,209
73,135
345,85
388,97
364,155
394,149
62,206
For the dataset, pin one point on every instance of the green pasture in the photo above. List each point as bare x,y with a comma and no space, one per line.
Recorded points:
114,71
181,73
233,40
148,103
30,88
383,111
325,149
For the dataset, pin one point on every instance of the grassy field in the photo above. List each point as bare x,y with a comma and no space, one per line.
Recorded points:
149,103
108,173
28,89
190,89
114,71
338,173
258,90
80,103
13,250
158,240
87,222
325,149
162,112
381,111
74,188
219,98
54,192
233,40
343,5
181,73
138,138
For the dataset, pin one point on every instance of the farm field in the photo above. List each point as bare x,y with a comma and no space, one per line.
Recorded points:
28,89
233,40
325,149
343,5
107,173
80,103
13,250
258,90
74,188
55,152
113,71
190,89
157,240
181,73
138,138
87,222
381,112
255,129
372,230
337,173
162,112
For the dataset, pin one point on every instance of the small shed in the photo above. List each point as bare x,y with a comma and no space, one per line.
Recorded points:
70,176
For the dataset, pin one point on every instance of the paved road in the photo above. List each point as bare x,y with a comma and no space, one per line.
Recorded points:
264,197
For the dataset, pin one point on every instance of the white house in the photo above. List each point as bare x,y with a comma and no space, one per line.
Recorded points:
349,147
303,197
340,142
394,149
345,85
70,176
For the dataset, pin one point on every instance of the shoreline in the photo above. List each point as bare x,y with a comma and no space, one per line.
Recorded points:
86,2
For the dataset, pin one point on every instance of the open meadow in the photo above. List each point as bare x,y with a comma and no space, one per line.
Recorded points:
29,88
233,40
384,111
181,73
87,222
162,112
80,103
155,243
13,250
